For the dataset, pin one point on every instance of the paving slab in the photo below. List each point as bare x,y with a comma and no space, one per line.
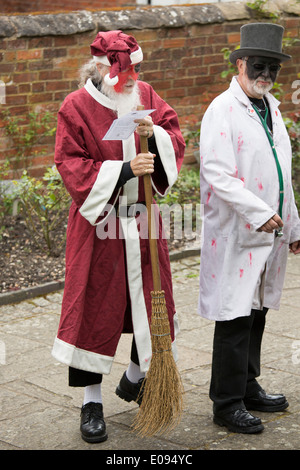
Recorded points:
39,411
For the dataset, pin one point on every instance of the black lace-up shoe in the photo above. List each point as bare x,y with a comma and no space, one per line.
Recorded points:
261,401
130,391
239,421
92,424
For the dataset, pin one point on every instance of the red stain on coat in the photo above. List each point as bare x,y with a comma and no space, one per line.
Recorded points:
240,142
259,184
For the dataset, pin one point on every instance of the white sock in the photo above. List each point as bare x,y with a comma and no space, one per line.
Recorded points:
134,373
92,393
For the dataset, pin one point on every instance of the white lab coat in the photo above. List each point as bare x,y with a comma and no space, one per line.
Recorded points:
240,267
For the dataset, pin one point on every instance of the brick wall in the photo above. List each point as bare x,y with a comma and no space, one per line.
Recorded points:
182,63
26,6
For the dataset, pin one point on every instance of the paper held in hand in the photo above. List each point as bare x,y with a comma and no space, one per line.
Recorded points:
123,127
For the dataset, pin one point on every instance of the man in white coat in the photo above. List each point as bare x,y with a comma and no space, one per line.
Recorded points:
250,222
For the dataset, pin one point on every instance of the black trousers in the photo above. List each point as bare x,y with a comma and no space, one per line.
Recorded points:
83,378
236,360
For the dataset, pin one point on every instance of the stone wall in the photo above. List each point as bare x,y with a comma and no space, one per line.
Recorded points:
40,56
29,6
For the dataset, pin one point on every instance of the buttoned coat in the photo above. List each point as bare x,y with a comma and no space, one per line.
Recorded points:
241,267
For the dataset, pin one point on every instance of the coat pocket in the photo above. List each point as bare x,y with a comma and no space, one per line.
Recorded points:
248,237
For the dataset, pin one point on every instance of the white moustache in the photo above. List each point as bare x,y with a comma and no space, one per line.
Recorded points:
261,79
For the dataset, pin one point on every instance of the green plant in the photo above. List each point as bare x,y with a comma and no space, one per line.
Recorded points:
258,7
192,140
192,137
185,190
43,204
277,90
289,41
184,198
231,69
26,133
5,198
293,128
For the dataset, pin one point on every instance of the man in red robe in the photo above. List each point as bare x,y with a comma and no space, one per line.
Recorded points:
108,269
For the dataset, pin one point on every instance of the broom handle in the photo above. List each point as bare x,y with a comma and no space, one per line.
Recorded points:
151,221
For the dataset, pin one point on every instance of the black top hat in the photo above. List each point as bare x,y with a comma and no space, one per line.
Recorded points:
262,40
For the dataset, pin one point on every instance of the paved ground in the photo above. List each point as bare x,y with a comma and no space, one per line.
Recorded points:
39,411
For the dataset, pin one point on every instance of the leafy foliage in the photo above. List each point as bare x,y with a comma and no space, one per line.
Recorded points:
184,196
258,7
43,205
5,199
293,127
26,133
185,190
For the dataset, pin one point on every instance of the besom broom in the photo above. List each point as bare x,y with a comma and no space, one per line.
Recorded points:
162,404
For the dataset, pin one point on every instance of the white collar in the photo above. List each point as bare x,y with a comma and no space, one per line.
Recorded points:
239,93
98,96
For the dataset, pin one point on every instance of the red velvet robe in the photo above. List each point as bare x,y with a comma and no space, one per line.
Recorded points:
108,280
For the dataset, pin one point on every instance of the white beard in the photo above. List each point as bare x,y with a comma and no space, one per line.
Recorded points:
260,89
125,102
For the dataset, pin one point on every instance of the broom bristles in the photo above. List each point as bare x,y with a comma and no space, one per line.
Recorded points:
162,404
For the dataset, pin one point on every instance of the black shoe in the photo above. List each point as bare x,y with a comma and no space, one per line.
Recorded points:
92,424
261,401
130,391
239,421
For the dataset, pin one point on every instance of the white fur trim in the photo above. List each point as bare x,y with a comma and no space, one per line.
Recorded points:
136,57
167,156
142,333
101,191
99,363
111,81
131,188
98,96
102,60
135,282
80,358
